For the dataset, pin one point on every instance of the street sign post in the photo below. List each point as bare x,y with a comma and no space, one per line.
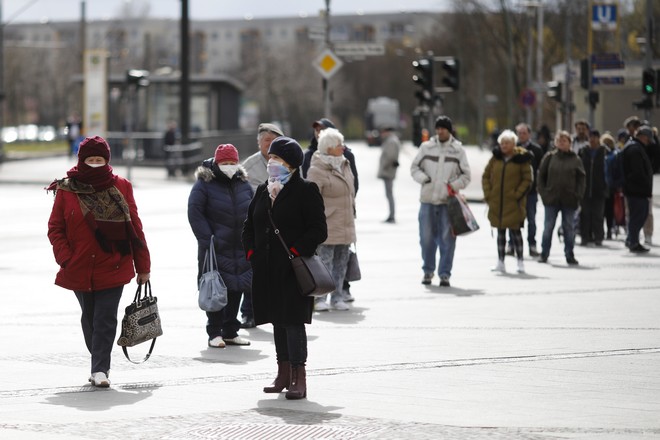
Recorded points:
604,17
350,49
327,63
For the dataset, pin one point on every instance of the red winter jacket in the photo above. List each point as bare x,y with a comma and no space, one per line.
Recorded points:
84,266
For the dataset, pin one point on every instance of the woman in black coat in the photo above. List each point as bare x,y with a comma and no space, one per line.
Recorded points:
218,206
298,212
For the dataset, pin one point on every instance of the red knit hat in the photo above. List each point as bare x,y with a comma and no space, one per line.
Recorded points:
94,146
226,152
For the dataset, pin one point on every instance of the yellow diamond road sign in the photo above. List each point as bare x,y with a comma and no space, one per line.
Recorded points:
327,63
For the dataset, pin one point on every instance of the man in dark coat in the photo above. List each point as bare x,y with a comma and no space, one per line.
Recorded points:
638,185
298,216
524,133
593,202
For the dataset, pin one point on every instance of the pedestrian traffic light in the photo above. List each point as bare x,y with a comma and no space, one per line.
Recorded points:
451,78
649,83
554,90
593,98
424,79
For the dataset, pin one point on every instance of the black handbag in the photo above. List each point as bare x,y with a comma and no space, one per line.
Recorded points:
141,322
314,278
353,272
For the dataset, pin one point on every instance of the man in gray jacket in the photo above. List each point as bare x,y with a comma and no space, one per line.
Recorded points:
255,165
440,163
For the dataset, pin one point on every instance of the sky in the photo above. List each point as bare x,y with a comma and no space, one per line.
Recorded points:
17,11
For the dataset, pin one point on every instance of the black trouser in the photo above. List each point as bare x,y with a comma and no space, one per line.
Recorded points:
516,241
639,210
290,343
99,324
591,220
224,322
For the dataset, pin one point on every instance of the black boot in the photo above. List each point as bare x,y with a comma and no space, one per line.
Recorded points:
298,386
282,380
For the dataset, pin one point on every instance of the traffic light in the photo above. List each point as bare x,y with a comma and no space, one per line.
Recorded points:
424,79
451,68
649,83
584,74
554,90
593,98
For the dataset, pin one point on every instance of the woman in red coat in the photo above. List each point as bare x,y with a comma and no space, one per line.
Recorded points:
97,239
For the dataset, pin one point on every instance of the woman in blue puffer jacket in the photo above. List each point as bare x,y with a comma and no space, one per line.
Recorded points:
217,206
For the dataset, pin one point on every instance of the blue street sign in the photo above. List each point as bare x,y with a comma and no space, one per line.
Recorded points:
604,17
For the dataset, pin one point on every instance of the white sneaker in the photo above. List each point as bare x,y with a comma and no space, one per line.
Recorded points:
217,342
237,341
320,305
99,379
521,266
340,305
499,267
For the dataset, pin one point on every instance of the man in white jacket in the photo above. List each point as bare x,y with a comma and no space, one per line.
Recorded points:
441,161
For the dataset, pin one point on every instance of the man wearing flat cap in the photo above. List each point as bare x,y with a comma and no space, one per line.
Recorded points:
255,165
440,163
638,184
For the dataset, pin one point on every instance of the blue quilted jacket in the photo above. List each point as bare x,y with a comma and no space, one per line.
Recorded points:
218,206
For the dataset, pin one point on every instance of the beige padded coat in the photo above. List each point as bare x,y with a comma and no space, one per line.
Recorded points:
338,192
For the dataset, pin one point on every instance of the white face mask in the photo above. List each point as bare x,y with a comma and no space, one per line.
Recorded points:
95,165
228,170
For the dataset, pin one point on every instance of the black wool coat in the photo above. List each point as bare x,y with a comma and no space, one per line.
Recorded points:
299,214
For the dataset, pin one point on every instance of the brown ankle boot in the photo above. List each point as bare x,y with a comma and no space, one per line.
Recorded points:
282,380
298,386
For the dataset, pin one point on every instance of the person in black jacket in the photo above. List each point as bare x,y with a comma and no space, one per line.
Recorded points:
638,185
217,206
298,216
593,202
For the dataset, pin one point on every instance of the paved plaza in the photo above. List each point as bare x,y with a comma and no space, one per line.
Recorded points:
557,353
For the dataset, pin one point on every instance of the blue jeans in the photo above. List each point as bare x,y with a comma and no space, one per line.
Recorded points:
567,223
435,232
532,199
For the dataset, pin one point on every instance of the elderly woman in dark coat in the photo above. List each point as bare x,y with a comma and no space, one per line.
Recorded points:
218,206
505,182
297,209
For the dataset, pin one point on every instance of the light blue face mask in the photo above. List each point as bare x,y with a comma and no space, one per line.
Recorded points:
277,171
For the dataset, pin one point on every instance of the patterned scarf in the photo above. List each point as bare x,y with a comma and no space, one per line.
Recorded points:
106,213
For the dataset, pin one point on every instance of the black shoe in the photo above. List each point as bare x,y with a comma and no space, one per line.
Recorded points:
428,277
248,323
572,261
639,249
444,281
389,220
543,259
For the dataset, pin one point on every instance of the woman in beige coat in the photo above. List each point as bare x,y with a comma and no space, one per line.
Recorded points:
331,171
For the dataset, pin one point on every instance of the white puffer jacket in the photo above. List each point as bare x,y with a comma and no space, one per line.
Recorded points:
438,163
